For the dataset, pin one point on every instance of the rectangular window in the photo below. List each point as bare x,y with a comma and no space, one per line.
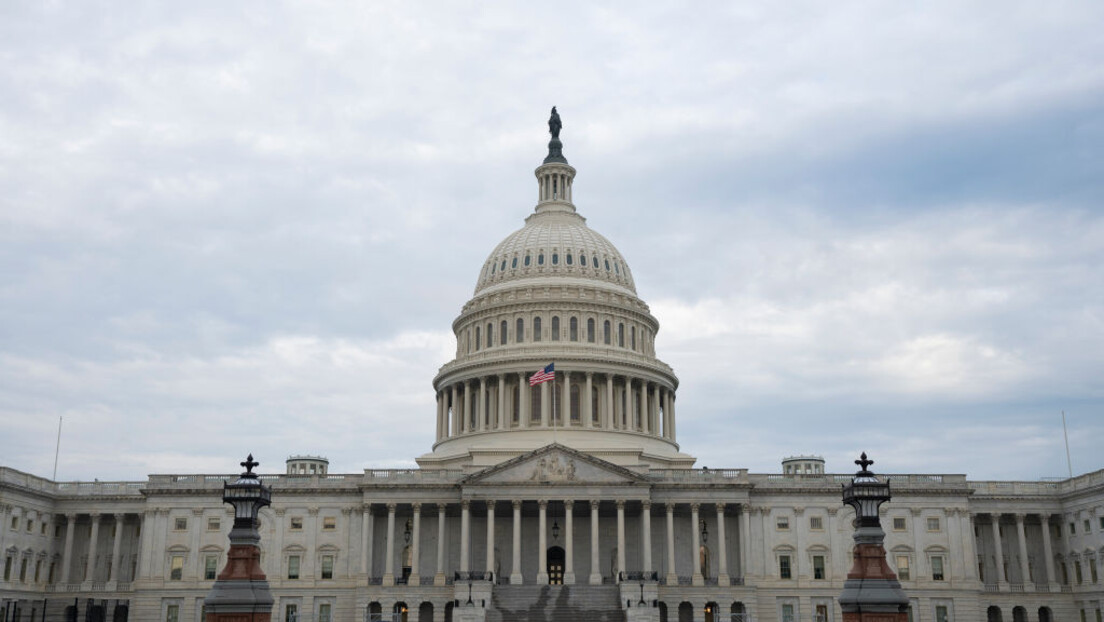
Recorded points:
1102,523
816,523
296,523
822,613
1086,524
784,567
898,523
818,566
57,531
23,570
941,614
15,522
30,525
329,523
7,569
291,613
172,613
324,612
180,523
214,524
50,575
787,612
176,568
38,571
937,567
293,567
210,567
1092,571
42,531
1072,528
933,524
903,567
327,566
783,523
1077,570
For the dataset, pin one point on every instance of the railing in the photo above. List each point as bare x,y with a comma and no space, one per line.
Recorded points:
1016,587
473,575
992,587
639,575
698,475
414,475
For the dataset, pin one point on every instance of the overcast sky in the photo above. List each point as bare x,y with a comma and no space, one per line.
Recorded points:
235,227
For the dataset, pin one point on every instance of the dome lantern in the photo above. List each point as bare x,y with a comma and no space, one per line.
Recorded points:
555,176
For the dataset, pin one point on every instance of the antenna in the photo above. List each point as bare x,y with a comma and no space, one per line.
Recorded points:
57,449
1065,432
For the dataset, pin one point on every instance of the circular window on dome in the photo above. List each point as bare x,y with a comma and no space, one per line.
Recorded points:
555,259
582,260
527,260
607,266
513,264
569,259
540,259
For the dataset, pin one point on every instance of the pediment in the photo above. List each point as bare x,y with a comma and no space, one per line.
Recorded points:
555,465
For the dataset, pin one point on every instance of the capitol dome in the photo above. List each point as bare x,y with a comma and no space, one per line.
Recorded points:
555,292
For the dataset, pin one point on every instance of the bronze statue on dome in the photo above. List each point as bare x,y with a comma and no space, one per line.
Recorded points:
554,123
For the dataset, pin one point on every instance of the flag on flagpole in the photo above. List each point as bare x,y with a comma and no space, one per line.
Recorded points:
544,375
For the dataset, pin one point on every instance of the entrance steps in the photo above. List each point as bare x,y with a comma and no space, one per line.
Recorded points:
555,603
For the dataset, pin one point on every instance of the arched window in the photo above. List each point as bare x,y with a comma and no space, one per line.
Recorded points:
607,266
555,328
477,340
503,266
590,330
555,259
540,259
513,264
582,260
534,404
594,261
492,268
519,332
576,406
621,335
502,333
490,338
633,333
606,332
574,329
617,267
527,259
569,259
536,329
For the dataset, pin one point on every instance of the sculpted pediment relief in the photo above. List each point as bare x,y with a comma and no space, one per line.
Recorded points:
555,465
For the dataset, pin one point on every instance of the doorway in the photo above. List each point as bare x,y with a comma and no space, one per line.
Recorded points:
555,565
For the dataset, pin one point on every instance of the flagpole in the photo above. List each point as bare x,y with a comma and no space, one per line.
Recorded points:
554,392
1069,463
57,449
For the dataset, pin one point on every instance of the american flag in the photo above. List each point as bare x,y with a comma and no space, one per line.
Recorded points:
544,375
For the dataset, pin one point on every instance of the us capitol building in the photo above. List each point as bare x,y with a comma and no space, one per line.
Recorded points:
566,500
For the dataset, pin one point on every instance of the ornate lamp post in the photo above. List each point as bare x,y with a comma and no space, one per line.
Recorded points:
871,592
241,594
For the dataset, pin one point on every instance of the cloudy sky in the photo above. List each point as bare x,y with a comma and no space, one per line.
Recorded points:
249,227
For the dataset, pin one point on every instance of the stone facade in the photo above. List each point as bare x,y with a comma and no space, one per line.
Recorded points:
579,482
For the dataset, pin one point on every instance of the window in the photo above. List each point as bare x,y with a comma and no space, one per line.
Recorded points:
23,570
536,329
555,328
555,259
1102,522
582,260
816,523
941,614
513,263
903,567
327,566
478,338
490,336
633,332
787,612
295,523
329,523
937,567
590,330
607,266
1072,528
30,525
594,261
1077,570
818,567
176,568
540,259
620,335
933,524
503,266
1092,571
606,332
57,531
213,524
324,613
172,613
502,333
527,260
293,567
784,567
210,567
574,329
899,523
569,259
15,522
180,524
1086,525
782,523
291,613
7,568
519,332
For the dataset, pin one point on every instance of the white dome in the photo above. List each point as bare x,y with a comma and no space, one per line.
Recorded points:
555,244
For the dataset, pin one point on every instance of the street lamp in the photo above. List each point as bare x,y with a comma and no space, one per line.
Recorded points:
704,532
248,496
865,493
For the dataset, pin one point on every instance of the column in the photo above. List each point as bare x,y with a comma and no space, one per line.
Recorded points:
5,511
744,519
672,576
672,416
1025,573
569,543
546,405
490,536
969,544
620,539
455,412
957,552
542,540
365,540
465,536
481,414
655,410
1048,552
667,413
586,404
609,403
92,542
595,564
116,548
415,547
918,531
695,539
630,405
722,548
439,434
515,570
148,519
645,416
389,560
646,533
67,560
502,401
1002,578
439,577
524,402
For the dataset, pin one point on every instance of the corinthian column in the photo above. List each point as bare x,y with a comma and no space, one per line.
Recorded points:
542,540
595,565
569,544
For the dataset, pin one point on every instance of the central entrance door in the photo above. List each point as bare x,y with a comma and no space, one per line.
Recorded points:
555,566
